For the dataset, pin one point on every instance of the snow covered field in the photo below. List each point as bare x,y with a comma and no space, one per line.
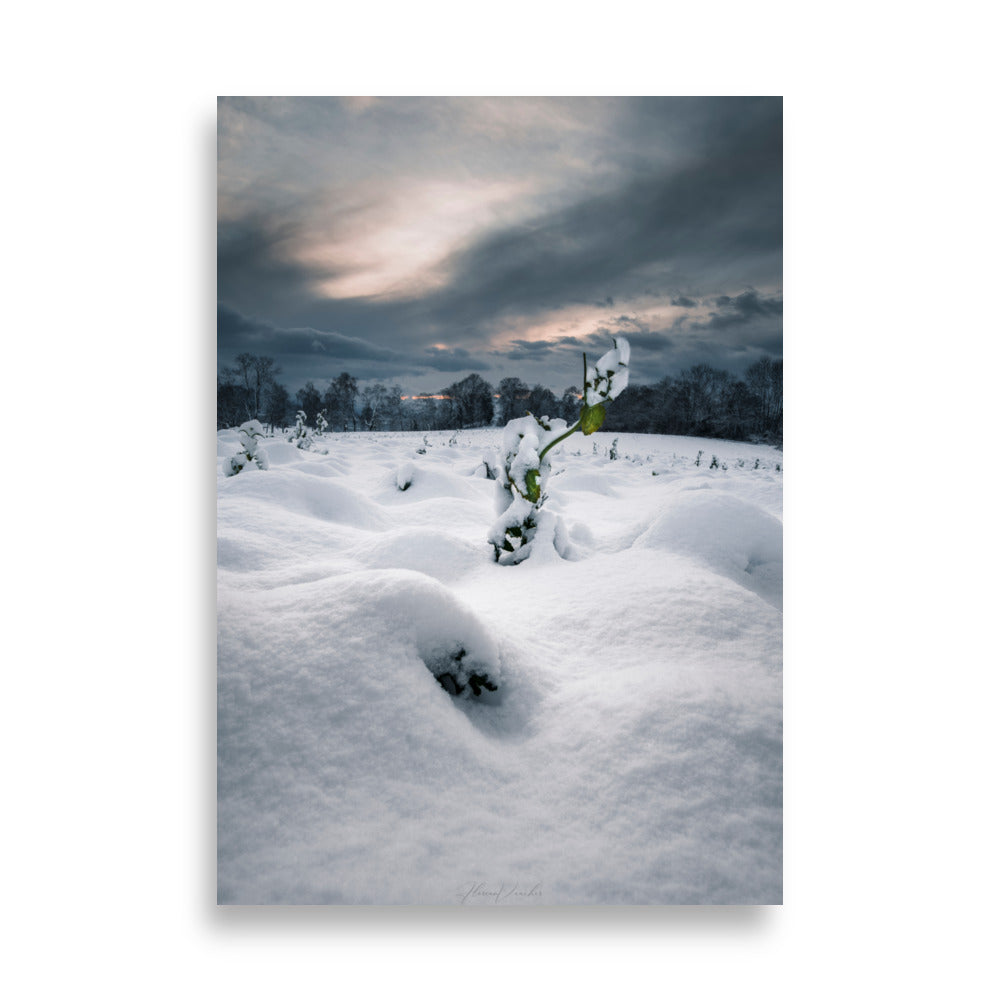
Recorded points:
633,750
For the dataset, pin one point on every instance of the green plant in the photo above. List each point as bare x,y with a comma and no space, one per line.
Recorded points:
529,440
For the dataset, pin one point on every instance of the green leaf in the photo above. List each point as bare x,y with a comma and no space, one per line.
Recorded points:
592,418
531,481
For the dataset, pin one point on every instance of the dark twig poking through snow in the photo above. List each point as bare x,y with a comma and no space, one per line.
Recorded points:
455,681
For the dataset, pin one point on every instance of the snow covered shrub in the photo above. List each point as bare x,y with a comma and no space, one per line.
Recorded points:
321,422
613,453
697,461
527,442
300,435
251,452
715,463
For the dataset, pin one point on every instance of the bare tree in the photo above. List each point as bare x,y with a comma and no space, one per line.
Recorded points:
278,409
569,405
244,390
513,401
257,374
393,408
471,402
340,401
764,380
310,402
542,402
373,404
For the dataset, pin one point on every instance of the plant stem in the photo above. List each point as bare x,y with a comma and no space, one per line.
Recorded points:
562,437
576,426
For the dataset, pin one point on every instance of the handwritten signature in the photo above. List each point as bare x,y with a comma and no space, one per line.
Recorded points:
503,894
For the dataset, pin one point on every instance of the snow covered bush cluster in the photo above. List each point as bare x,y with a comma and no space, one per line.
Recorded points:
251,452
525,470
302,437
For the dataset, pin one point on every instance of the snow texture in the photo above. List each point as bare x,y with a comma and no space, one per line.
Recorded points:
631,752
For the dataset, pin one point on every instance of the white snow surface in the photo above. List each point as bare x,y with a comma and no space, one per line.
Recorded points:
632,753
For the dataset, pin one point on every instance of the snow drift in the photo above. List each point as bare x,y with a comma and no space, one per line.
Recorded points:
631,752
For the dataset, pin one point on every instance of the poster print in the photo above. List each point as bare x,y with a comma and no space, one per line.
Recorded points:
499,500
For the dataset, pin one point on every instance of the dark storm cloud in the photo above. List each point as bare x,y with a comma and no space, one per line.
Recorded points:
747,309
638,334
238,333
533,346
307,354
743,308
714,214
672,194
457,359
533,350
771,345
650,340
255,266
564,355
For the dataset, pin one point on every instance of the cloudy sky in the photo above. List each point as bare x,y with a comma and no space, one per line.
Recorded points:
416,240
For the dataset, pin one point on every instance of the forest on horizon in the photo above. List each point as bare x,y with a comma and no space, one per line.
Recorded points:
701,401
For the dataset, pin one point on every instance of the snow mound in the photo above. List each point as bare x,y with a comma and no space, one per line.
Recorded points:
326,469
578,479
283,453
305,494
428,482
726,534
437,622
242,551
431,551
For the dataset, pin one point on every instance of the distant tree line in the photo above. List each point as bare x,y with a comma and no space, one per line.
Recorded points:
701,401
